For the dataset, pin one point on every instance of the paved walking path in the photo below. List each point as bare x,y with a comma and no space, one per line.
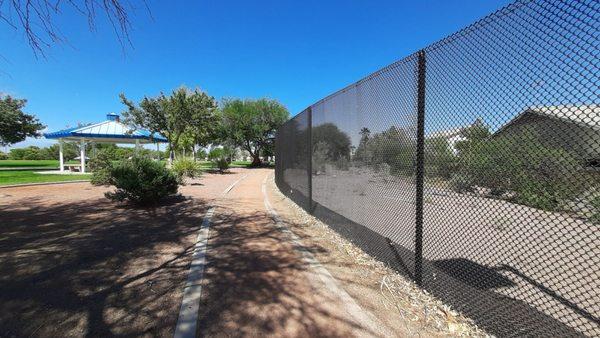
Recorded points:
260,280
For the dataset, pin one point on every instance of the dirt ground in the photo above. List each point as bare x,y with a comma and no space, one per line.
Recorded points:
539,267
258,282
74,264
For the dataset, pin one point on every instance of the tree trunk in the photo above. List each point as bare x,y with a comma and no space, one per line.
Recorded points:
255,160
171,157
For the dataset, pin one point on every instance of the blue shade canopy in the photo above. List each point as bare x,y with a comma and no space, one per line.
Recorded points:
111,130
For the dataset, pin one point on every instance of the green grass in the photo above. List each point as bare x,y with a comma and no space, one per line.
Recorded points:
238,164
50,164
29,163
9,177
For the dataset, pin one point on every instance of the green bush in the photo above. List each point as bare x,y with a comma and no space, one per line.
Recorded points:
201,154
342,164
461,183
100,166
595,204
533,173
440,161
186,168
3,156
321,156
142,181
220,157
392,149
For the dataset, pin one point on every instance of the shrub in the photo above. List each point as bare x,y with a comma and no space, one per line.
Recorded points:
220,158
342,164
186,168
100,165
461,183
142,181
3,156
595,204
201,154
320,157
536,174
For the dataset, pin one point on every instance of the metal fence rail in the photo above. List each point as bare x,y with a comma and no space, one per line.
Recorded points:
472,167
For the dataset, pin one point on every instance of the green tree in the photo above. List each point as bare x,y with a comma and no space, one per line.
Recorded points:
439,159
394,147
361,154
330,142
473,134
171,116
203,126
251,124
15,125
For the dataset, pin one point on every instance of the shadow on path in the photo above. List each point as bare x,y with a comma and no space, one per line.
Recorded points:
257,285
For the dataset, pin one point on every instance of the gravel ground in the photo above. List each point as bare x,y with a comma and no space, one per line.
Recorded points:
397,302
511,267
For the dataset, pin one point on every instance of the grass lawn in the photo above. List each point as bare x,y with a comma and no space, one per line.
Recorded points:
29,176
28,163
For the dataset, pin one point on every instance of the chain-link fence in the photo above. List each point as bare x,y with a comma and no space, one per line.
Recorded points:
472,167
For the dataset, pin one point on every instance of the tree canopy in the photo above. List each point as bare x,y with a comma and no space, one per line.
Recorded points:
184,113
15,125
251,124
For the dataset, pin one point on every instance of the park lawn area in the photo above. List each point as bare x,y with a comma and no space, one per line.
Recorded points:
10,177
28,163
240,164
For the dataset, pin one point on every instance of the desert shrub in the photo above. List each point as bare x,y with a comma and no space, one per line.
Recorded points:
186,168
342,163
439,158
100,165
461,183
220,158
534,173
142,181
320,157
595,204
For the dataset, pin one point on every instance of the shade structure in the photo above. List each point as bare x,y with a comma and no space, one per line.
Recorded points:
110,131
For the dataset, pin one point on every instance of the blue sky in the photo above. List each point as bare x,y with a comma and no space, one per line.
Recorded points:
293,51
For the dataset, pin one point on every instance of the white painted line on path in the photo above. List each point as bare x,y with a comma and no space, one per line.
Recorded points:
187,322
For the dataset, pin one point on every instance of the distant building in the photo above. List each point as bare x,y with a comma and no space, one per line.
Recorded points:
574,128
452,136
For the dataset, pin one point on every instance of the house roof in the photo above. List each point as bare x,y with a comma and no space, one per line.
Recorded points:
446,133
111,130
584,115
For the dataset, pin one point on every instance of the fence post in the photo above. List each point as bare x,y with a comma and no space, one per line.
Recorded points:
420,168
309,164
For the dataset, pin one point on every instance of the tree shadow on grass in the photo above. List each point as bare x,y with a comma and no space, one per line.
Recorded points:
91,268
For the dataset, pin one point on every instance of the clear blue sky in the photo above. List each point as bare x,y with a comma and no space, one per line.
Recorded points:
293,51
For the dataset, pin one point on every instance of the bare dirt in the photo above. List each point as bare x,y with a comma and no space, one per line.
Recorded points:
74,264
